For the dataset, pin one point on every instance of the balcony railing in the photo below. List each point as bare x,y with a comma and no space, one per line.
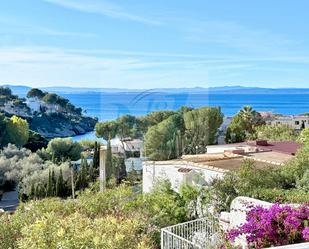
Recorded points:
203,233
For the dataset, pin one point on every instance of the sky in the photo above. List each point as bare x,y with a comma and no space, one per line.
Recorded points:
154,43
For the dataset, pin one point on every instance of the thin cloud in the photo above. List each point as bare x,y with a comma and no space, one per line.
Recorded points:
50,66
18,27
104,8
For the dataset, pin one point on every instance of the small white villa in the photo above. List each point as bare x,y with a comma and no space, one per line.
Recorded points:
296,122
219,159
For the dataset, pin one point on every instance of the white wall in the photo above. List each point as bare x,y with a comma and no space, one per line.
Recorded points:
155,171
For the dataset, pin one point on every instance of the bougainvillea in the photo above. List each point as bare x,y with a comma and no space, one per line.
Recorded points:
274,226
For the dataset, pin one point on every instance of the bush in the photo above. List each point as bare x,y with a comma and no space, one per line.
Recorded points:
276,133
292,195
274,226
78,231
116,218
268,184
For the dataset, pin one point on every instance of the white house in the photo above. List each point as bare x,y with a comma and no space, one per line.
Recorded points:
200,169
132,145
296,122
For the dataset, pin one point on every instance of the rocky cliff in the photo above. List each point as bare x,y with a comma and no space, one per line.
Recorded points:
60,125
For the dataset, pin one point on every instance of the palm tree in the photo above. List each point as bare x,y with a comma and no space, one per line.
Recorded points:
251,118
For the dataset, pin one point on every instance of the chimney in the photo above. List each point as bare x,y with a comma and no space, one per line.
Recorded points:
261,142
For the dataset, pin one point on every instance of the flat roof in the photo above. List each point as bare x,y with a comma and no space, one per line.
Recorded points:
215,162
270,156
286,147
235,163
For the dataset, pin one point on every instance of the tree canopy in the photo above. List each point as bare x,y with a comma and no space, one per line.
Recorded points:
161,139
16,131
243,125
201,126
35,93
50,98
106,130
63,149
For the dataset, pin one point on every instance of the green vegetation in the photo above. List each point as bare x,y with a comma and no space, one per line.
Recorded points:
35,141
63,149
14,130
286,184
167,134
54,117
162,140
54,99
304,136
188,133
276,133
35,93
201,126
243,125
46,173
6,95
121,216
17,131
116,218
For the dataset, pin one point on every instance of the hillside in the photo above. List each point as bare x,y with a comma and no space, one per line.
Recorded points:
48,114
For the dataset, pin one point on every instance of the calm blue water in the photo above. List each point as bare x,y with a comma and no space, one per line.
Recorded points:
107,106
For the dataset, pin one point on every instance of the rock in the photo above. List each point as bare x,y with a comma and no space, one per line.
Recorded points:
60,125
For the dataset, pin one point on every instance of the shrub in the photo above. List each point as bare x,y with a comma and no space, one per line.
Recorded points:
115,218
274,226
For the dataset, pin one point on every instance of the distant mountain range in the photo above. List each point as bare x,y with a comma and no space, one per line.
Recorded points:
22,90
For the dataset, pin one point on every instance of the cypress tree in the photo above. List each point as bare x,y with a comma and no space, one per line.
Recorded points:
53,177
60,188
32,191
96,155
42,191
108,162
49,191
53,158
91,173
37,192
82,175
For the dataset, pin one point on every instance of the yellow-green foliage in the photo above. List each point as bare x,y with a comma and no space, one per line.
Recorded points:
115,219
80,231
17,131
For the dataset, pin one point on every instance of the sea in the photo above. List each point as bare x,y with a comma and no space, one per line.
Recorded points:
109,106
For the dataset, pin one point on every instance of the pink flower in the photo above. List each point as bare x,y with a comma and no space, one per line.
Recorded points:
305,234
274,226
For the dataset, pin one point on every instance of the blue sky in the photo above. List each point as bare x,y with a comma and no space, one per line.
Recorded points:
154,43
